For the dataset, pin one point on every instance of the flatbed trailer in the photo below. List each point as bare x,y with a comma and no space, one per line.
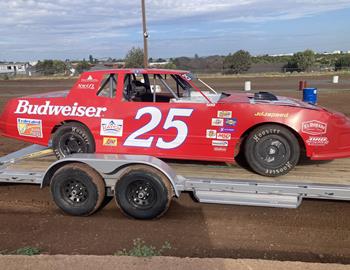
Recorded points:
128,178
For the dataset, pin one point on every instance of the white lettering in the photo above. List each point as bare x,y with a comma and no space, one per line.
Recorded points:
90,111
66,111
24,107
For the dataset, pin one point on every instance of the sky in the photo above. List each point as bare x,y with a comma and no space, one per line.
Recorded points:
73,29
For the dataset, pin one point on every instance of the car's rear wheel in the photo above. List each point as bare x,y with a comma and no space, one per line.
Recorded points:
72,138
271,150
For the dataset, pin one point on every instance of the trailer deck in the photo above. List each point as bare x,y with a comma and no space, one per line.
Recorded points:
215,182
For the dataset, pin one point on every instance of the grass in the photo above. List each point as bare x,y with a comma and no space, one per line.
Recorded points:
272,74
24,251
141,249
38,78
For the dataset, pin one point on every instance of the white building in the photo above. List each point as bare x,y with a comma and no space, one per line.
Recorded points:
14,68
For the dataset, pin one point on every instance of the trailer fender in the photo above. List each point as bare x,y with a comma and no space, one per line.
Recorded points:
109,166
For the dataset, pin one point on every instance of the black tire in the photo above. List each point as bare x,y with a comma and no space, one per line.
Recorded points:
155,188
72,138
78,189
271,150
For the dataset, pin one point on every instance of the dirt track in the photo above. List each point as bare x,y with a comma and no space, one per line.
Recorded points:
317,231
157,263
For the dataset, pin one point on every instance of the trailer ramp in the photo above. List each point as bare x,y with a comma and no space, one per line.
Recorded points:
231,184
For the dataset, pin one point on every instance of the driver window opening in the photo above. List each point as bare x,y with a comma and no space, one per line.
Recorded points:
108,86
155,87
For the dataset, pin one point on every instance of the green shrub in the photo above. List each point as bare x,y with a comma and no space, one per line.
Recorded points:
25,251
140,249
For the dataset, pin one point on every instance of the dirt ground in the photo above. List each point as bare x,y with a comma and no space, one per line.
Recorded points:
318,231
156,263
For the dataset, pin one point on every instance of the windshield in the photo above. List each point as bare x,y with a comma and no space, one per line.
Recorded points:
199,87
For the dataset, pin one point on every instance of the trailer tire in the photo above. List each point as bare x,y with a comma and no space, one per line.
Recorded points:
78,189
72,138
271,150
143,192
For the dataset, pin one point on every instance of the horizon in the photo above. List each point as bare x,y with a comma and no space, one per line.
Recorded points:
65,29
336,52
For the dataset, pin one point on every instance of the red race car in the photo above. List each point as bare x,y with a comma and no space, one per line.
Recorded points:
163,113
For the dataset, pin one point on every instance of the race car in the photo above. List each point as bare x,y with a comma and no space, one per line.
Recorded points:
171,114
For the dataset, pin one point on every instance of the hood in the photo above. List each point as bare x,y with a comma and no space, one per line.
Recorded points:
50,94
267,99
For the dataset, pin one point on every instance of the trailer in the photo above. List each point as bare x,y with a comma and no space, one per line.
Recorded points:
143,186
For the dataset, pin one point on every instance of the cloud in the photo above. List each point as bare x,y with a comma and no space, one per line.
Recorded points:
83,25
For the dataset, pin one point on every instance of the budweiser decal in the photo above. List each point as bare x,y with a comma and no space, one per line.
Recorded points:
24,107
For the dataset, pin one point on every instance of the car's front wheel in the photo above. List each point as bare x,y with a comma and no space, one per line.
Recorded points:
72,138
271,150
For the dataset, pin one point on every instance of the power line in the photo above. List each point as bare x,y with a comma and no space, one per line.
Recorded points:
145,34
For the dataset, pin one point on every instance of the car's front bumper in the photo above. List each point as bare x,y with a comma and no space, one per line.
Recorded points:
339,138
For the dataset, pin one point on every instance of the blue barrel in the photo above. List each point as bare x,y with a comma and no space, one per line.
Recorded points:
310,95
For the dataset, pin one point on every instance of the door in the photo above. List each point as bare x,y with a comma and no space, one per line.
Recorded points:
162,118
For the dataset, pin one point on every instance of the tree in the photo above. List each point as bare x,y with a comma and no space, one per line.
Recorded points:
82,66
343,62
302,61
51,67
134,58
238,62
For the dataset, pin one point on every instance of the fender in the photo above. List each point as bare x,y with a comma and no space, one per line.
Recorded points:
109,166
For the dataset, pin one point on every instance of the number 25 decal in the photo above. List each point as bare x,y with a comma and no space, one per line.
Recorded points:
156,117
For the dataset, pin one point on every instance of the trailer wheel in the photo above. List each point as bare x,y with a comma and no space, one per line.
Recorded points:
271,150
143,192
78,189
72,138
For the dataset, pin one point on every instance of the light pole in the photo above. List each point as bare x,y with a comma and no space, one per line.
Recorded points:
145,35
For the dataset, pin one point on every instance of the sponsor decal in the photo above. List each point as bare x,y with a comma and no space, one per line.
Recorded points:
220,149
271,115
219,143
89,86
224,114
111,127
227,130
217,122
317,141
89,79
223,136
24,107
231,122
186,77
314,127
211,104
211,134
30,127
107,141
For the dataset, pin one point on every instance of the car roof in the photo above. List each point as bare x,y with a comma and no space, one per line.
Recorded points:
141,71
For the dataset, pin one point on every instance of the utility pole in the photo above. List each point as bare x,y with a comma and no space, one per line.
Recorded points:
145,35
